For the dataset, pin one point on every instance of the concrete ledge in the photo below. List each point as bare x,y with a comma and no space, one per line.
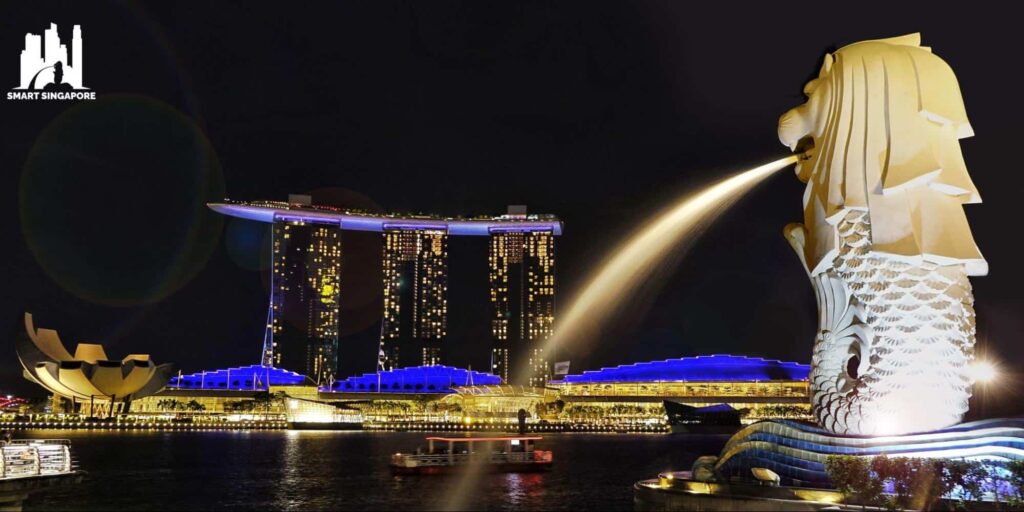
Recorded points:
13,492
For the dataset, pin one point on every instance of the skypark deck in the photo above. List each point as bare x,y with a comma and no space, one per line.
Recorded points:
355,220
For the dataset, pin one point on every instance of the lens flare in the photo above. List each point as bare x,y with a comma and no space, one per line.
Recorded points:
984,371
634,261
118,216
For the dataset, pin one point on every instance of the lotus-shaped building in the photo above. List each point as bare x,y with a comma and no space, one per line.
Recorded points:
88,375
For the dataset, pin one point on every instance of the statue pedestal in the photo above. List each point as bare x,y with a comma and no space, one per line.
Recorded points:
797,452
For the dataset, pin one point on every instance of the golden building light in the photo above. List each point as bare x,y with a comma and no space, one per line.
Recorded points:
305,293
415,279
522,294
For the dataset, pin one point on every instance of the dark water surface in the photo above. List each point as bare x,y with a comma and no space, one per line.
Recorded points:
348,470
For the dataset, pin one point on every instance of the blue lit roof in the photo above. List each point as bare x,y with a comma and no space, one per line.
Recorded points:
245,378
415,379
700,368
267,211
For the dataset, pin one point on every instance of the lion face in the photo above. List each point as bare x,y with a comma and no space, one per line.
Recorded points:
801,127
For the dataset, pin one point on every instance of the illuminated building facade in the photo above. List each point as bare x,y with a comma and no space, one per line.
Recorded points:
415,270
522,281
630,397
247,393
303,317
415,275
761,388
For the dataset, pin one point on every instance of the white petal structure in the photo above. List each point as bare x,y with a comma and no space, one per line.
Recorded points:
88,375
885,241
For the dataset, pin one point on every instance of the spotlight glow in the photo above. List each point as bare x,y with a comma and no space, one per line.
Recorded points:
984,372
635,260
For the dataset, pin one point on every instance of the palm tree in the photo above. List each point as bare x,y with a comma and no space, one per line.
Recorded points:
169,404
278,399
265,400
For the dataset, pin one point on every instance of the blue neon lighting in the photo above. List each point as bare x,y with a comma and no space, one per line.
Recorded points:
415,379
245,378
718,367
380,222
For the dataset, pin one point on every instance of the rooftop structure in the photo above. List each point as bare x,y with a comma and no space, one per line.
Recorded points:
245,378
358,220
502,390
417,379
464,439
717,367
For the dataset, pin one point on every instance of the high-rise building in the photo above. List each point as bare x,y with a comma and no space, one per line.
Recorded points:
539,304
415,283
415,322
522,279
303,317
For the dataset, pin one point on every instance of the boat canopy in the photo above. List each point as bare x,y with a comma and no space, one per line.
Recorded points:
484,439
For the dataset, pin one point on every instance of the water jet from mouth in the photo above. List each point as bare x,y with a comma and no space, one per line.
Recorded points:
633,262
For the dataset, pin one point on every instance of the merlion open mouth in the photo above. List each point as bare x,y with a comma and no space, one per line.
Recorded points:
804,148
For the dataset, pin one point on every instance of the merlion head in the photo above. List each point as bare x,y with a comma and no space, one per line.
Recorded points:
880,130
885,240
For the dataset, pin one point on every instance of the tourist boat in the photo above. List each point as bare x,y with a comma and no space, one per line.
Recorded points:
512,454
30,465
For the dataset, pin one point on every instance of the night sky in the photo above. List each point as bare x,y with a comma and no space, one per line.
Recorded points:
599,113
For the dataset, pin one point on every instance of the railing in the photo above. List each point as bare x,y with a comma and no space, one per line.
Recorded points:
36,457
444,459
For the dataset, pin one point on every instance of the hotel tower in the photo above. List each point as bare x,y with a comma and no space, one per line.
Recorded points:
415,322
302,322
522,282
303,316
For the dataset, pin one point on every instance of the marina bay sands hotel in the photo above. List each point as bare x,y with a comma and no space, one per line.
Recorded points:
302,320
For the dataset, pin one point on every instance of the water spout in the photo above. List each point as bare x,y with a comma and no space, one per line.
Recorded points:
630,264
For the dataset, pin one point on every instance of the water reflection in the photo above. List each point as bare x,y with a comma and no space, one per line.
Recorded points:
288,489
524,489
345,471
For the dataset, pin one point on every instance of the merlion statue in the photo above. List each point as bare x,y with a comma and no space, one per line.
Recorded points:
885,240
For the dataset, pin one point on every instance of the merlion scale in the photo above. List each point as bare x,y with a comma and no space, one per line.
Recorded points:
885,240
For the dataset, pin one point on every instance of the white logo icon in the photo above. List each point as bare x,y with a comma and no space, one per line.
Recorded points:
48,66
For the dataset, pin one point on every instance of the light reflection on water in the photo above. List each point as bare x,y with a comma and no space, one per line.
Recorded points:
292,479
524,488
347,470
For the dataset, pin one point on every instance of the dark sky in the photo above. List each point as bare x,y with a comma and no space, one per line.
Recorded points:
599,113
